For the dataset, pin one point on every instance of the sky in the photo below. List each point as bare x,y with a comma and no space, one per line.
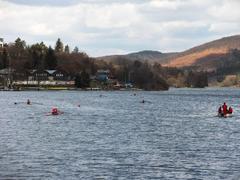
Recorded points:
104,27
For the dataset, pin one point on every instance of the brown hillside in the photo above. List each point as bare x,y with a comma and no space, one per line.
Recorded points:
193,56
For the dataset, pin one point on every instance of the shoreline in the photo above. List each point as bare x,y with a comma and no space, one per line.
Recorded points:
71,89
99,89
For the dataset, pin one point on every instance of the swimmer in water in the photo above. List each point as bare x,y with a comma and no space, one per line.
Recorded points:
28,102
55,111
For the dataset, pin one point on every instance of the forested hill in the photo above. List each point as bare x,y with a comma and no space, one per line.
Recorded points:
142,69
24,58
147,55
206,54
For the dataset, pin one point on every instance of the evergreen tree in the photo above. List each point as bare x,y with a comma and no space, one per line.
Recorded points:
85,79
20,44
17,50
197,79
37,52
36,60
67,49
4,59
78,82
82,80
50,59
59,46
76,50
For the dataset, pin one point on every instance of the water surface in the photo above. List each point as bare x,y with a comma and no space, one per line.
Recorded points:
112,135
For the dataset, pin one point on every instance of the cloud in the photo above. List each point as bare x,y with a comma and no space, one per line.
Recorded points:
101,27
69,2
166,4
44,2
225,27
227,11
115,16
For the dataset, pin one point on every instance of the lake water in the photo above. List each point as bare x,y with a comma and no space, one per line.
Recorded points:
174,135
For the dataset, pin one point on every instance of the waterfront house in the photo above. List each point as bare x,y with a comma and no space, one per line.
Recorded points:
58,75
6,77
48,75
128,85
44,78
102,75
38,75
7,72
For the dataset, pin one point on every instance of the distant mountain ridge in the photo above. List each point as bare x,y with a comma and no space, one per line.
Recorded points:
205,56
152,56
147,55
195,55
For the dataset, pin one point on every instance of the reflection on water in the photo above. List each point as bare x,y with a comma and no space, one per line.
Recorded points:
174,135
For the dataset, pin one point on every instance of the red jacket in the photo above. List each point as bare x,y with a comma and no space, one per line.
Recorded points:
225,109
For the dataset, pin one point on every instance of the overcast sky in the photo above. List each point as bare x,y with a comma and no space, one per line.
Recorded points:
102,27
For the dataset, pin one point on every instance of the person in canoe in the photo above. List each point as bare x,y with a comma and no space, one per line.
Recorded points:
220,112
225,109
230,110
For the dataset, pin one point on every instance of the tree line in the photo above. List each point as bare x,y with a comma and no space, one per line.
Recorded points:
23,57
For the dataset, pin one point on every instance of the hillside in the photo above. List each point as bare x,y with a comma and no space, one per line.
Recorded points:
150,56
206,55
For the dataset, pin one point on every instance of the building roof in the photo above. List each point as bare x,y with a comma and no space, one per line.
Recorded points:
33,71
6,71
46,70
51,71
